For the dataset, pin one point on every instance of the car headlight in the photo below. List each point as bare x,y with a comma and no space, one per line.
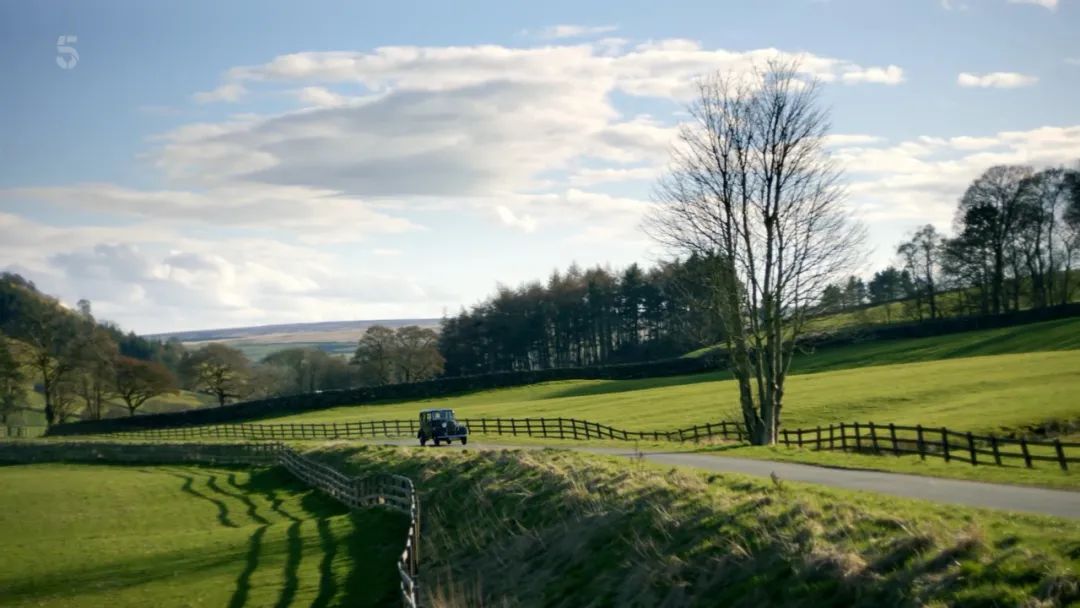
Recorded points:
444,425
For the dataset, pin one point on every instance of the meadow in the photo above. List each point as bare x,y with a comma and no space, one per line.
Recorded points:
1000,381
90,535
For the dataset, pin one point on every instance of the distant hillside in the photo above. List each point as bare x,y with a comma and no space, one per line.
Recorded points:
338,337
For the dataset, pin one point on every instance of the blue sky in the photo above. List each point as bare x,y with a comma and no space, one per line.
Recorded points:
227,163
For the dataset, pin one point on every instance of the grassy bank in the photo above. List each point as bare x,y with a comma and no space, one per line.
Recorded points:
563,529
88,535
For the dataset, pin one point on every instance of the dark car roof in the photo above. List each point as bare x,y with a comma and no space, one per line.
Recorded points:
439,409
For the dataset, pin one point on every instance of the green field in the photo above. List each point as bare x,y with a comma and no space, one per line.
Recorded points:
977,394
34,413
89,535
993,381
555,528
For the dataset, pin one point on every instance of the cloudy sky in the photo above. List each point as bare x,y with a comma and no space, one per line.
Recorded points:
205,164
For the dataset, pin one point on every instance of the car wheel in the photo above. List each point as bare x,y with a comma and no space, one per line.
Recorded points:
435,441
423,440
464,440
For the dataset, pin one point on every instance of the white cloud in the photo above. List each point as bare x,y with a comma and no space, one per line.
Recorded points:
240,231
890,75
157,279
853,139
317,215
319,96
524,223
921,180
574,31
1048,4
589,177
999,80
229,92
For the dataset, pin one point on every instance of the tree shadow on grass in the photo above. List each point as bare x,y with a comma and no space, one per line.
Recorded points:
189,481
243,582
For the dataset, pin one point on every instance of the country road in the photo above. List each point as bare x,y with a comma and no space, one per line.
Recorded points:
1060,503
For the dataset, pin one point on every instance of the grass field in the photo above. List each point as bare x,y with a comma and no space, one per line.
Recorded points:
993,381
988,393
34,415
551,528
88,535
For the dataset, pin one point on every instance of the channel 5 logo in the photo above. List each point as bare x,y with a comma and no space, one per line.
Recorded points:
66,55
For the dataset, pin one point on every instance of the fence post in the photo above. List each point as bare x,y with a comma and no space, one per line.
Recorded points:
573,427
858,439
873,438
843,437
971,448
945,443
994,446
892,436
921,445
1024,449
1060,454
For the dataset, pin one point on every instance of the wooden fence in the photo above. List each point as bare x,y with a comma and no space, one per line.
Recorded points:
868,437
938,442
385,490
551,428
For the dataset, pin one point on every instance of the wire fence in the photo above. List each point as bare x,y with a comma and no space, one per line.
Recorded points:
867,438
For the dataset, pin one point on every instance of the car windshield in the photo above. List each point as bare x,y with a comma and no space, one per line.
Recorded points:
441,415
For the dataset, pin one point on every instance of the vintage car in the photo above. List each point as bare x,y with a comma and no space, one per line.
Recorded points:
439,426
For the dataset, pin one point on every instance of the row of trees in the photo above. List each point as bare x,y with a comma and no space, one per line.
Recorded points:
82,367
585,317
383,356
1016,238
76,363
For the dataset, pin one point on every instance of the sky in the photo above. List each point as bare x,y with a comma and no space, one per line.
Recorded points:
216,164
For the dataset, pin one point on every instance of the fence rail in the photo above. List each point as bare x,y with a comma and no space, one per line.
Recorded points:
868,437
386,490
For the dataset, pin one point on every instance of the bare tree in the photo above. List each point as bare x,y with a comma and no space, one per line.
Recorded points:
95,368
922,258
52,339
751,183
375,355
137,382
992,207
12,379
218,370
417,354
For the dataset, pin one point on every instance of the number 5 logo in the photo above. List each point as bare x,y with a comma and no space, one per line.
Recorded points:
66,55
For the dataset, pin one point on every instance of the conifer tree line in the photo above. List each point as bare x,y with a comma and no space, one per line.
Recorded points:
585,317
1015,245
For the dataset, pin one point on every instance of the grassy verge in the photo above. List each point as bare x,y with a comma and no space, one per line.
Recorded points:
88,535
557,528
1048,475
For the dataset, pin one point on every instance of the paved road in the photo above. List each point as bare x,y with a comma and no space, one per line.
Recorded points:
1062,503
